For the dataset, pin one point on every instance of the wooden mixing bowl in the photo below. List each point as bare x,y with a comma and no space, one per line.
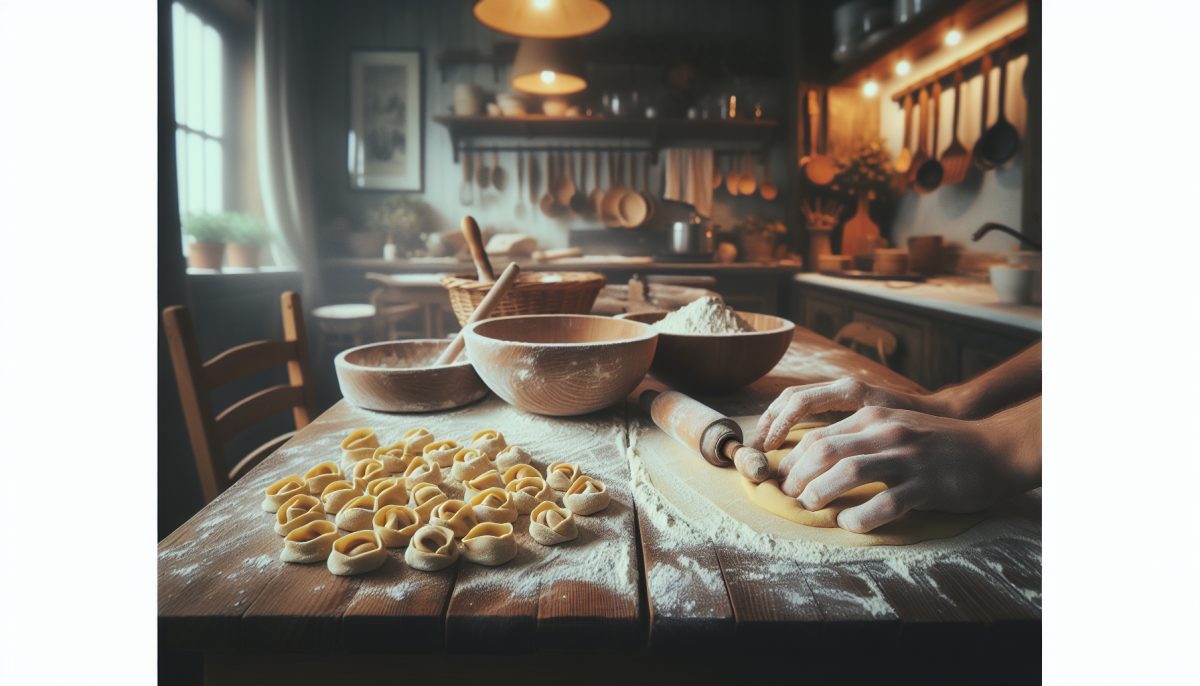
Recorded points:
718,363
395,376
561,364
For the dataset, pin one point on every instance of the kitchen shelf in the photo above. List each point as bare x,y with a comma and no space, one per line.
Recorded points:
653,134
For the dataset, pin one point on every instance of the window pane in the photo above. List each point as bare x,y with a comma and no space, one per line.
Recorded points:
194,82
212,81
179,41
181,169
213,165
195,172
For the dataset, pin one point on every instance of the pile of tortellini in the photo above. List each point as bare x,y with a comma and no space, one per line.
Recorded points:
391,496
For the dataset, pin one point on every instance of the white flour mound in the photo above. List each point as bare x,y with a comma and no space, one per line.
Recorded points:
703,316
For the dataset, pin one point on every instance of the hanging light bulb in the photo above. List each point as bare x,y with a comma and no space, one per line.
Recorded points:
903,67
543,18
548,67
953,37
870,88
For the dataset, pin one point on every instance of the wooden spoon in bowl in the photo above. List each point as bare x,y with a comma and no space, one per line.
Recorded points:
495,294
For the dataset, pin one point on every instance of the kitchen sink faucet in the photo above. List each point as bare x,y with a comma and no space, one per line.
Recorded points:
993,226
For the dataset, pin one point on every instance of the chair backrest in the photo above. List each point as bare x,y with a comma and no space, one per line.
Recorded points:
197,379
882,341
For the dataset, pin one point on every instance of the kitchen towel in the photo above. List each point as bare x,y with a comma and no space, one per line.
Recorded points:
689,178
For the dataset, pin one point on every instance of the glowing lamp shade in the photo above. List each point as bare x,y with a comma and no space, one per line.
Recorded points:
548,67
543,18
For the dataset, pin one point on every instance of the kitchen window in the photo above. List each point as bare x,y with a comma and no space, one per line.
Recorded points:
199,112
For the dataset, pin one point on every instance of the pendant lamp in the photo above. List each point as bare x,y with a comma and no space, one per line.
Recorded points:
548,67
543,18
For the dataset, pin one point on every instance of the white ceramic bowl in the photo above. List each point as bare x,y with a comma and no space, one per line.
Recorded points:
1014,285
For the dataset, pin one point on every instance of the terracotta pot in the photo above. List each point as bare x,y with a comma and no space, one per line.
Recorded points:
204,255
757,247
365,243
245,256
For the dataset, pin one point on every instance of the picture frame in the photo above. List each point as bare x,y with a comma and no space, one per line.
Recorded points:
385,137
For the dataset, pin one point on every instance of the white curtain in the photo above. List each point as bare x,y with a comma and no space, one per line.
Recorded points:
282,123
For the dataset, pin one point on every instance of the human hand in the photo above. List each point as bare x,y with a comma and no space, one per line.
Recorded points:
927,462
843,395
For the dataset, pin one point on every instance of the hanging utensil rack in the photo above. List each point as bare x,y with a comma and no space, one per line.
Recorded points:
970,66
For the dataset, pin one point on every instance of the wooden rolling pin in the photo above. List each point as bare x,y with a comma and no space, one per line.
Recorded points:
507,280
717,437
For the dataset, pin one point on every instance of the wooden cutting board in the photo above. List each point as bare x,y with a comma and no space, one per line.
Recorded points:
860,233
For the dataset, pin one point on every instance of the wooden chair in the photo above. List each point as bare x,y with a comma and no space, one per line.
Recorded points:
881,341
197,379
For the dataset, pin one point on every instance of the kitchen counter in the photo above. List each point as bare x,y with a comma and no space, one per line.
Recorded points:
955,295
603,262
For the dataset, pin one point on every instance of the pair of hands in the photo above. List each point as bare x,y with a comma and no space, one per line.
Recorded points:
928,460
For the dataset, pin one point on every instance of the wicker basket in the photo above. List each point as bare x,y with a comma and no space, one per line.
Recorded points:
534,293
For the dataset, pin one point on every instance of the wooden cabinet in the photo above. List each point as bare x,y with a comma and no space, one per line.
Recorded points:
934,348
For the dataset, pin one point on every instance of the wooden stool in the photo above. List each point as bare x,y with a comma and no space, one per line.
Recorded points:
343,326
881,341
392,312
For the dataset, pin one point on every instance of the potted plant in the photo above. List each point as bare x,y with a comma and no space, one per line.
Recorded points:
208,232
866,176
248,235
397,215
759,237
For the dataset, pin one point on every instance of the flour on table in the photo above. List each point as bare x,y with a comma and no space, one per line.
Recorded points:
703,316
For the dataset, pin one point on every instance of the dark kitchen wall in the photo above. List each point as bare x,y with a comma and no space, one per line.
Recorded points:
435,26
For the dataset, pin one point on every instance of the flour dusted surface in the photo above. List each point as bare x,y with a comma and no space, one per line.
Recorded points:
703,316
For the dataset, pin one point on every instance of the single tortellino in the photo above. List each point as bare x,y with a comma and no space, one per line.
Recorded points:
359,445
282,491
431,548
337,494
309,543
490,543
469,463
486,480
512,455
441,452
357,553
320,476
424,497
357,514
489,442
417,439
520,471
395,525
422,471
393,457
389,491
366,471
299,510
527,492
550,524
561,475
586,496
455,515
494,505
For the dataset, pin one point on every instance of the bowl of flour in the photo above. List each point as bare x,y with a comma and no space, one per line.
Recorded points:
708,347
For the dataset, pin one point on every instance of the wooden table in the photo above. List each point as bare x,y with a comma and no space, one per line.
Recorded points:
224,593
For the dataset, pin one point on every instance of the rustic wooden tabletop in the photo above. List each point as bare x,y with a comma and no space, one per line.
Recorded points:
626,586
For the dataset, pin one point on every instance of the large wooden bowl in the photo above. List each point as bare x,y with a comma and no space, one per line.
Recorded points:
395,376
718,363
561,364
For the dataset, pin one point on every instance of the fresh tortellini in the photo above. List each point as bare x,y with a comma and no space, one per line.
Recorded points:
490,543
395,525
337,494
422,471
561,475
432,548
586,496
389,491
299,510
359,445
357,553
424,497
489,479
455,515
488,442
550,524
494,505
441,452
417,439
309,543
519,471
282,491
357,514
469,463
320,476
511,456
394,457
527,491
367,470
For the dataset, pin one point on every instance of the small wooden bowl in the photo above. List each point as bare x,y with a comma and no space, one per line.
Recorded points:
395,376
561,364
718,363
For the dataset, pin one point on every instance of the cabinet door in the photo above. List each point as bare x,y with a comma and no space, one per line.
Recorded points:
909,357
824,316
964,352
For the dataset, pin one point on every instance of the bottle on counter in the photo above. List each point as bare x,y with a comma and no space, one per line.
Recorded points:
389,249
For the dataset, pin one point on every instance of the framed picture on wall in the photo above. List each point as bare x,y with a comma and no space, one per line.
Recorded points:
385,142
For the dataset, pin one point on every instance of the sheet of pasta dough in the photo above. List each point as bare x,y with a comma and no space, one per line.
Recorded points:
690,482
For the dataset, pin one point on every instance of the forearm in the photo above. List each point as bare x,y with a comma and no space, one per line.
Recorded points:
1018,435
1013,381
